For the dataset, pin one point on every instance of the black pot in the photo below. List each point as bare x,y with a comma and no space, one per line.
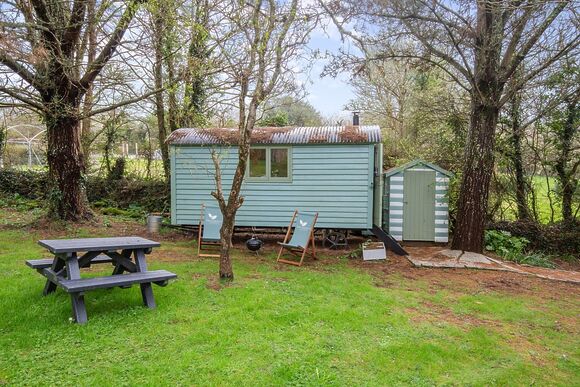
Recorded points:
254,244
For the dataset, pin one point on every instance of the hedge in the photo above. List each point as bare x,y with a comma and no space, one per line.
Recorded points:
150,195
553,238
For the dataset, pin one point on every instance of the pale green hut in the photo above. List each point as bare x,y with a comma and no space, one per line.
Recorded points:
333,170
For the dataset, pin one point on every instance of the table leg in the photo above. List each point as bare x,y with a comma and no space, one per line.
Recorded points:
119,269
146,288
57,265
77,299
79,308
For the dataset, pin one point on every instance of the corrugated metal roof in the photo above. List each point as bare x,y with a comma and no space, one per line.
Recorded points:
274,135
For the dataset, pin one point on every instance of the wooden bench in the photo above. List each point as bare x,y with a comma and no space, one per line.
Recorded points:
45,263
158,277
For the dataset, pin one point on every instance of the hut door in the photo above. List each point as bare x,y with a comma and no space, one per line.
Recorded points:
378,186
419,205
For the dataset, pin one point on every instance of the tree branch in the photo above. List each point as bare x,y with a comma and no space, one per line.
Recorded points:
73,30
122,103
527,46
547,63
111,46
21,98
18,69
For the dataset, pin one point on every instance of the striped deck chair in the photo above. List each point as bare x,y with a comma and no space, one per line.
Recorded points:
302,237
210,224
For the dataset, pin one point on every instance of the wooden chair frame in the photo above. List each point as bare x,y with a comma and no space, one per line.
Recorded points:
200,242
297,250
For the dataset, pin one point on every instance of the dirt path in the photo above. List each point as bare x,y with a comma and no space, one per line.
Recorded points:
439,257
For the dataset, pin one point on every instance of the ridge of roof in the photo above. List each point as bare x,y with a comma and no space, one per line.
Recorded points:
279,135
410,164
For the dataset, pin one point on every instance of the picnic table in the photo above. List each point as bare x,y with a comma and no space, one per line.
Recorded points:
126,254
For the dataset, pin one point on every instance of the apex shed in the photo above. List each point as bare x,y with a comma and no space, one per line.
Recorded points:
335,171
416,205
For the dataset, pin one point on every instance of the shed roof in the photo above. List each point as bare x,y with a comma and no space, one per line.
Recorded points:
392,171
275,135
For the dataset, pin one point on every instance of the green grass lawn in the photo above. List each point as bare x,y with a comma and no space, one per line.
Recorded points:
544,190
328,323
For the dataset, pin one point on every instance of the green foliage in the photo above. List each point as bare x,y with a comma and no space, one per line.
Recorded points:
505,245
29,184
537,259
289,111
135,196
134,211
558,238
146,195
512,248
117,172
3,137
277,119
19,203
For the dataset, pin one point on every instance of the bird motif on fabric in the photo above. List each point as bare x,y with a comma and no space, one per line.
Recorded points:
303,223
212,217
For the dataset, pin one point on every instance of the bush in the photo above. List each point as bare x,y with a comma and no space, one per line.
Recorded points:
512,248
135,196
537,259
118,170
504,244
28,184
149,195
557,238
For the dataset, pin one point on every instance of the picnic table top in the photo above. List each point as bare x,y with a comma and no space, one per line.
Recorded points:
57,246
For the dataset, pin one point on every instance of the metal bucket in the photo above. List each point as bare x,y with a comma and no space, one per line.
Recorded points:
154,223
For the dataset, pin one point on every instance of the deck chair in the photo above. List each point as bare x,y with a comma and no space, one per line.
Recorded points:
303,236
210,224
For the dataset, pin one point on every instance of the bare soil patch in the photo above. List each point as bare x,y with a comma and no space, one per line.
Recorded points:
466,280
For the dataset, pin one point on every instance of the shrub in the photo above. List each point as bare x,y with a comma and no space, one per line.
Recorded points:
504,244
512,248
28,184
537,259
136,196
118,170
557,238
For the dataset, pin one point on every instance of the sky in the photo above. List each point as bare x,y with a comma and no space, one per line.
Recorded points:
327,94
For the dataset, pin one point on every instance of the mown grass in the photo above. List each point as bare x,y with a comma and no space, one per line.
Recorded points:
278,325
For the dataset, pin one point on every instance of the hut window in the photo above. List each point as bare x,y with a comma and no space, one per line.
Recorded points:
269,164
258,162
279,162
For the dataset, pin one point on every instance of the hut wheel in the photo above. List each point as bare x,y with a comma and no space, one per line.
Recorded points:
334,239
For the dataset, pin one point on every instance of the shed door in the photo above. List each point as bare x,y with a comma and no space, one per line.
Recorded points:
419,206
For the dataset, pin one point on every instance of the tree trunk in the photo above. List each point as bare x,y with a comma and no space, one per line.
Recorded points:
67,197
521,183
474,191
515,156
172,109
86,134
159,102
229,213
234,202
226,232
565,174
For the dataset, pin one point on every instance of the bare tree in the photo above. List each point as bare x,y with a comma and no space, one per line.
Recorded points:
564,121
480,44
46,69
268,36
